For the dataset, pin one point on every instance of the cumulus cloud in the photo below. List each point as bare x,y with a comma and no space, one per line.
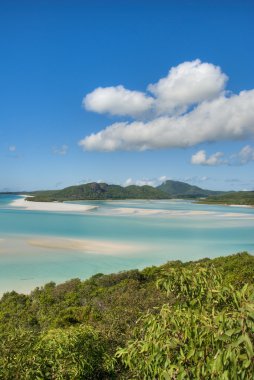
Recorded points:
200,158
245,155
117,101
140,182
187,84
163,178
61,151
189,107
220,119
128,182
145,181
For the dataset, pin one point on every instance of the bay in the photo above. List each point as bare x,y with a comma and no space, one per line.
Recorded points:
39,246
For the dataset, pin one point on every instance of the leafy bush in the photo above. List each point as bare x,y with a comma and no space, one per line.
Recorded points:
194,324
207,334
60,354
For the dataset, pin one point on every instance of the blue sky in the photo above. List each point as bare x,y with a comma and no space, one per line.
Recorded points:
62,63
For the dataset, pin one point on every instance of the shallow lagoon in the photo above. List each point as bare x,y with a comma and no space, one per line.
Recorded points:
37,247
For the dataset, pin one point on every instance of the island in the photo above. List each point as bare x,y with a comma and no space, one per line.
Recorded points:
237,198
167,190
98,191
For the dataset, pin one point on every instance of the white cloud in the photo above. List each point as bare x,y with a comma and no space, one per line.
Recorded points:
117,101
245,155
190,107
145,181
12,148
62,150
129,182
220,119
163,178
200,158
187,84
141,182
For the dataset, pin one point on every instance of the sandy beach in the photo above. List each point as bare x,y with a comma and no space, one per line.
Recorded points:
49,206
22,203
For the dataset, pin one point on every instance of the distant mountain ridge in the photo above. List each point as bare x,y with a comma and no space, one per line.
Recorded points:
97,191
177,189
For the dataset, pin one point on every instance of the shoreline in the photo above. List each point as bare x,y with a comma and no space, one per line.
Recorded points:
36,251
75,202
62,207
22,203
224,204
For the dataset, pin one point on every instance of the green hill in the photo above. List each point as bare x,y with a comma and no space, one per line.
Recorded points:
232,198
93,191
177,189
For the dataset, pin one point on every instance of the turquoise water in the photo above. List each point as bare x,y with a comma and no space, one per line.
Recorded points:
180,233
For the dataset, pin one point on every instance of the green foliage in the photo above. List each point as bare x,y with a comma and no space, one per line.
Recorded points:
94,191
206,334
72,330
236,269
177,189
232,198
16,348
74,353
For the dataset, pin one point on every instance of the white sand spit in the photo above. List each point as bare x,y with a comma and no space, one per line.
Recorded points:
49,206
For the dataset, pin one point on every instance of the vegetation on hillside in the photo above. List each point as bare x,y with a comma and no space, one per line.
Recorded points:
206,334
195,321
232,198
177,189
167,190
93,191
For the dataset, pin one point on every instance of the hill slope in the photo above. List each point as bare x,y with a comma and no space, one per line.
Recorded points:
177,189
232,198
72,330
93,191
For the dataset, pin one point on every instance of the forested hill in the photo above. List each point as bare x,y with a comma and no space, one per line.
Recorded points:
187,320
93,191
177,189
232,198
167,190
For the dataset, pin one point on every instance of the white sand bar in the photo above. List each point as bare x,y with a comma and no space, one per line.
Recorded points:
49,206
160,212
86,245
